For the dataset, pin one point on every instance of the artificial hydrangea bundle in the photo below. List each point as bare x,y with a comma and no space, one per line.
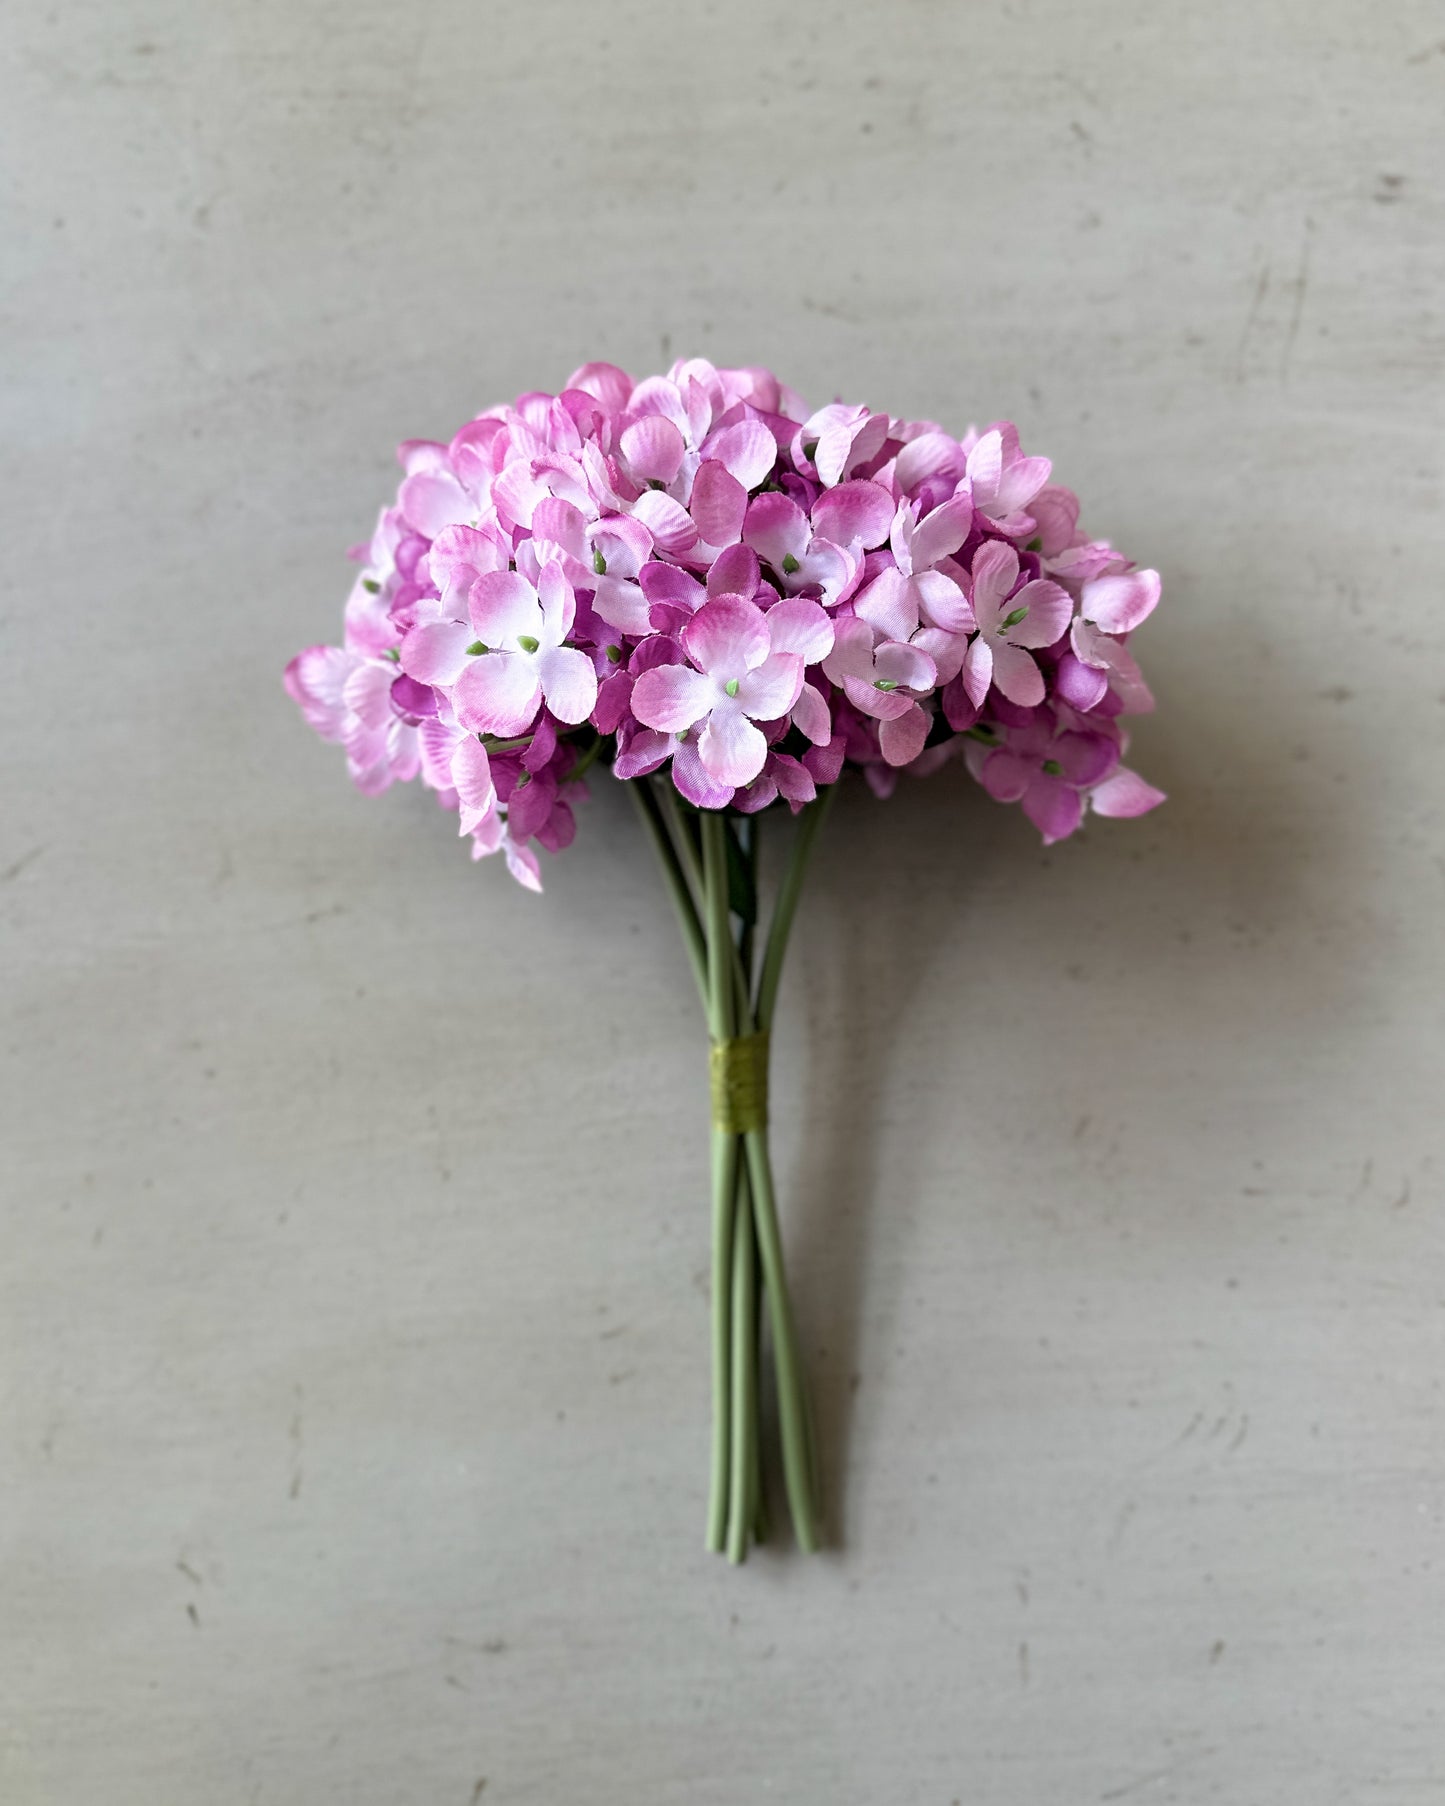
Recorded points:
730,599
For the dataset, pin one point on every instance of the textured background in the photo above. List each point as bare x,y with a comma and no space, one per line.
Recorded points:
352,1312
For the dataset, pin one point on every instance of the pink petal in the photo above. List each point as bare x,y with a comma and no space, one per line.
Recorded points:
860,511
656,395
504,606
845,444
438,741
1083,758
769,692
942,532
762,791
1124,795
1016,674
777,528
852,654
569,683
926,456
523,864
497,694
436,653
718,504
835,570
1078,684
1050,611
812,716
1005,776
622,605
909,667
458,558
653,448
985,466
471,778
692,780
732,750
1020,482
434,500
367,693
746,450
901,739
668,522
671,697
558,523
947,650
727,637
995,572
795,782
559,605
889,606
977,672
796,625
611,386
1125,677
868,699
734,572
942,603
825,763
666,583
1056,515
315,680
1119,604
1053,808
644,752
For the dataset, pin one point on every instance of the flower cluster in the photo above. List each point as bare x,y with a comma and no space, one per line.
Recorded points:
697,572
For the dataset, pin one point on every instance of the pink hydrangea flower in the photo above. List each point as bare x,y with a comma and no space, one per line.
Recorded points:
1013,622
695,574
734,681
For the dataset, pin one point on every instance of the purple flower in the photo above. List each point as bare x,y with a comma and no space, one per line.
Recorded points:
697,572
1012,622
734,681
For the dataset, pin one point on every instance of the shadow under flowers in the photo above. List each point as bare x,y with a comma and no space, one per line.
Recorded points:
956,992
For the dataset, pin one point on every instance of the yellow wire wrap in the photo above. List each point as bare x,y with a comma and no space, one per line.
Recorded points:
738,1070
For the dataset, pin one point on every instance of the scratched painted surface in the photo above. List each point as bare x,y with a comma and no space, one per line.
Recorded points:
353,1331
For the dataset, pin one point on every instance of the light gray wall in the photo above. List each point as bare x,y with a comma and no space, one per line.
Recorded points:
354,1336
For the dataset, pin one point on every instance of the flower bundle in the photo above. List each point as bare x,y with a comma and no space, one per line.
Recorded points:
729,599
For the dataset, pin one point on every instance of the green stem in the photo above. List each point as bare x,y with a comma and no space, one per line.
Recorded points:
750,832
792,1400
666,793
721,1022
742,1506
725,1178
676,881
786,907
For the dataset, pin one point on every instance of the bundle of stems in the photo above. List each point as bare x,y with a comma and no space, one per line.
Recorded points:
710,864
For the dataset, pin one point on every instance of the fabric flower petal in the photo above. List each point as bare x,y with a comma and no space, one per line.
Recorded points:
718,504
471,776
731,748
569,682
497,694
671,697
1124,794
1016,674
1120,604
857,510
653,448
901,739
